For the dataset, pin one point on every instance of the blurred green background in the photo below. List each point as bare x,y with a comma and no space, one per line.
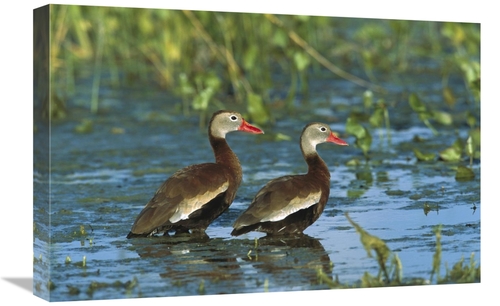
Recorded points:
200,55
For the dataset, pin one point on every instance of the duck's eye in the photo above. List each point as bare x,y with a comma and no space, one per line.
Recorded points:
233,117
322,129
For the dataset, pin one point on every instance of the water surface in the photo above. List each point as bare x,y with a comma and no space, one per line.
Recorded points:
100,181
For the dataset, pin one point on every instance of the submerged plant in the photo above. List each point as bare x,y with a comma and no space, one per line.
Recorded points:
421,156
391,267
420,108
464,174
380,115
361,133
382,252
201,287
463,273
128,285
436,259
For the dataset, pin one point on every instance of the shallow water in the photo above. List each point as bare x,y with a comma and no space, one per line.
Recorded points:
100,181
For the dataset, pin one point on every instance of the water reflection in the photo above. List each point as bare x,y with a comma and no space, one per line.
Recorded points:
233,265
191,264
290,259
363,182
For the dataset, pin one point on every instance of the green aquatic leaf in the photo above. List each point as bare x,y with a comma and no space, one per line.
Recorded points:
280,38
355,128
302,60
464,174
355,193
423,114
363,137
201,100
395,192
364,143
211,80
475,134
423,156
366,176
443,118
353,162
451,154
372,243
416,104
256,109
185,88
368,99
469,148
471,119
85,127
459,144
377,118
425,119
282,137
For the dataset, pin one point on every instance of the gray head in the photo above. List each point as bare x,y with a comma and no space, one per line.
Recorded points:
315,133
224,122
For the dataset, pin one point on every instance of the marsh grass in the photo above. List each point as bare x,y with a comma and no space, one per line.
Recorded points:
391,268
177,50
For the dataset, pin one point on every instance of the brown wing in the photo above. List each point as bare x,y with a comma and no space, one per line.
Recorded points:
184,192
278,199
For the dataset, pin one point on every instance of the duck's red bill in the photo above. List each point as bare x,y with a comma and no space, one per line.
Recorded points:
247,127
333,138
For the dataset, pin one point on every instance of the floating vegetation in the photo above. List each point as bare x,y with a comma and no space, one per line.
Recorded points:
361,133
298,44
451,154
424,156
128,285
85,127
424,114
382,254
464,174
391,267
201,287
462,273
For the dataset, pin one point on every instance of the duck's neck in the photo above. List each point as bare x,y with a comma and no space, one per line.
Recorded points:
225,156
316,165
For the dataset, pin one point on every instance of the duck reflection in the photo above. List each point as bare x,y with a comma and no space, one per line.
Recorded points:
191,265
290,260
234,265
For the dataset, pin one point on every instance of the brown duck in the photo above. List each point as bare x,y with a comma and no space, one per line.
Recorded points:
288,205
195,196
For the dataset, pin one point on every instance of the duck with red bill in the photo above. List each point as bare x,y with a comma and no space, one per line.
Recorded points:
288,205
193,197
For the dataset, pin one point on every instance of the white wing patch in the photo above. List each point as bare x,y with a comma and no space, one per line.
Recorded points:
190,205
295,205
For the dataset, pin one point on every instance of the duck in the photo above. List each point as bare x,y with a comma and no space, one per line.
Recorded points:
289,204
194,196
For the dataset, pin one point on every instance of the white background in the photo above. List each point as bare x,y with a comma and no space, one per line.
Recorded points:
16,147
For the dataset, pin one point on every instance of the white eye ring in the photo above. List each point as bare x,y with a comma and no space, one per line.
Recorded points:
322,129
233,117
